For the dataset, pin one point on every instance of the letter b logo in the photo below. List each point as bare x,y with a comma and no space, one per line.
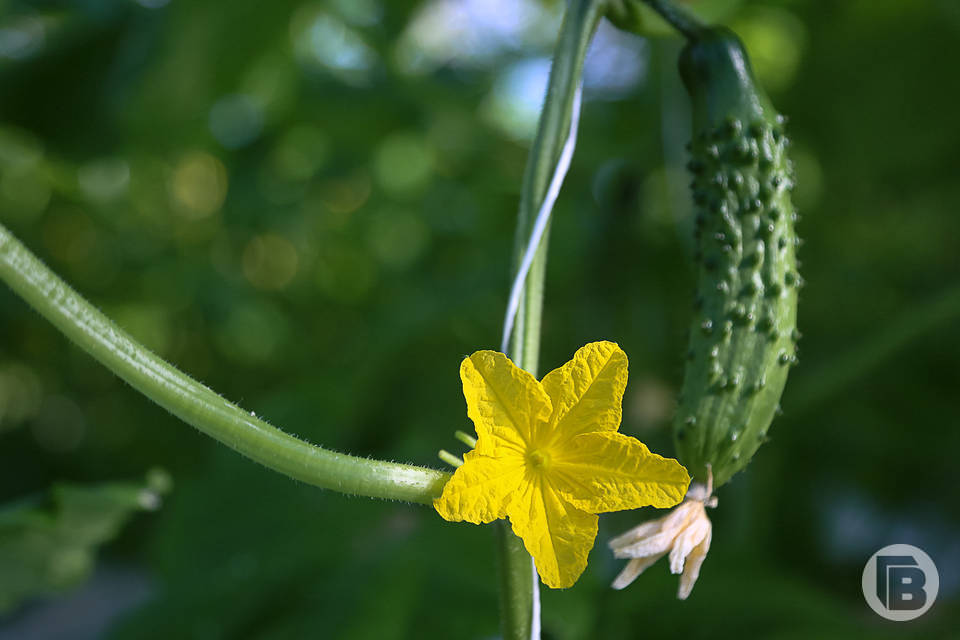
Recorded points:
900,582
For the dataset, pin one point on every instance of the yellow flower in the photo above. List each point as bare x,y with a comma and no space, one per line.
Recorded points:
549,457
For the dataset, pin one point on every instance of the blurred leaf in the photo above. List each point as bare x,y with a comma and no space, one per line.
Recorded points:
49,544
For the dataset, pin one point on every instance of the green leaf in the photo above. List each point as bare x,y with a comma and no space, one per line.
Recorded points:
48,543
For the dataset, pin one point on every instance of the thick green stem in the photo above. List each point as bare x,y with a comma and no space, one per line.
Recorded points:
579,24
197,405
516,584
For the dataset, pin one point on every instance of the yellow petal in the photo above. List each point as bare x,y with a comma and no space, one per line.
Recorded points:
558,535
480,489
587,392
502,399
609,471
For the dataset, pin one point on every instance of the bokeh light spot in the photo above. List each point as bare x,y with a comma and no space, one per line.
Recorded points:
272,85
345,274
616,62
404,163
323,40
104,179
19,149
198,185
22,38
651,404
775,39
253,333
270,261
24,184
299,153
474,33
236,120
363,13
153,4
70,235
25,192
345,195
513,105
397,238
20,394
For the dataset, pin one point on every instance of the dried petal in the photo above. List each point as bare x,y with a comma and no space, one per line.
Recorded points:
684,533
689,538
692,569
633,569
642,530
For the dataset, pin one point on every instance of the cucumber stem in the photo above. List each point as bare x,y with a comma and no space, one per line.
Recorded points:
197,404
680,19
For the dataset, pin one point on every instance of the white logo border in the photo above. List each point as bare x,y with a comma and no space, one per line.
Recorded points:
868,582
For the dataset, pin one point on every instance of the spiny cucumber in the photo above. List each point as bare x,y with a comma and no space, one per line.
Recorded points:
743,335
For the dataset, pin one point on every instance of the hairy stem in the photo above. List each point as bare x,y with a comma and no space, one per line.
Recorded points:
519,615
198,405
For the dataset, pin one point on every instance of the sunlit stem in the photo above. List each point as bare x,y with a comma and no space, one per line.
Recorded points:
198,405
520,602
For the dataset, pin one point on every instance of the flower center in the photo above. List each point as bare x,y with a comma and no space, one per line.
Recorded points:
538,459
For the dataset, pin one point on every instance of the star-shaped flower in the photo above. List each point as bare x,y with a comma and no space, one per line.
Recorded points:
549,457
685,533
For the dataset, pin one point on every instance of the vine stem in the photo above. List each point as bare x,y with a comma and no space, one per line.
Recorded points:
681,20
195,403
541,222
519,588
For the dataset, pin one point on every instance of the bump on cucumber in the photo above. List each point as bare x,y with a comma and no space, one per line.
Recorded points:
743,333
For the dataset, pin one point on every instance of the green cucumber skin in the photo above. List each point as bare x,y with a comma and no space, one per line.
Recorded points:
743,335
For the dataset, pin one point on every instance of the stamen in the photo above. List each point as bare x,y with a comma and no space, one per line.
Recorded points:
449,458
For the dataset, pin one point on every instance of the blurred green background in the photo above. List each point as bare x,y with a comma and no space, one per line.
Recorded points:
309,206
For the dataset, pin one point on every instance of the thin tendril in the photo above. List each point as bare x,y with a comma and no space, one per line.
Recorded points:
543,217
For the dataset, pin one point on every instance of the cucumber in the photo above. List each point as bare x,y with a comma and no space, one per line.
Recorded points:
743,335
